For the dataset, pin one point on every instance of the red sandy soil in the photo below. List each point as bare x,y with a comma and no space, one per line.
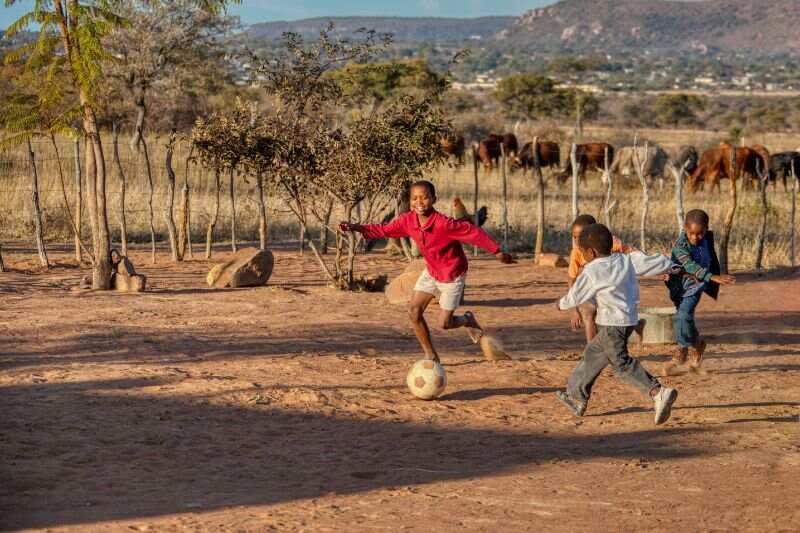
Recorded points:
285,408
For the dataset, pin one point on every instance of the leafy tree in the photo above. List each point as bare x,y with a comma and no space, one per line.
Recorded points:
533,96
678,109
70,40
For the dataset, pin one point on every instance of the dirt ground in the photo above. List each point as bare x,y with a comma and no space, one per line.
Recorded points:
285,408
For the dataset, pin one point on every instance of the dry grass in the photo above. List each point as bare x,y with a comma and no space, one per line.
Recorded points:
16,223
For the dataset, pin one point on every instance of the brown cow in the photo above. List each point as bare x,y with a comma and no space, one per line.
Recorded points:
548,152
589,156
716,163
510,144
488,151
455,147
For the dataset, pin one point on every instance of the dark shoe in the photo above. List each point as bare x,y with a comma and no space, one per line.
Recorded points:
696,353
577,408
663,403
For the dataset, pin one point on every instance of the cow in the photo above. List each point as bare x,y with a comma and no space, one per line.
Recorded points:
716,163
548,152
454,147
688,156
488,151
590,156
510,144
654,160
781,164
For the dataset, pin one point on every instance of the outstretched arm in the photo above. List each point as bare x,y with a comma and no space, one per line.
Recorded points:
394,229
463,231
689,265
650,265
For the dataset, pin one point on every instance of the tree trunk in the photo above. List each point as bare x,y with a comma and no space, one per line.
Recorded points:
141,109
213,221
475,193
608,202
574,162
36,210
578,119
168,213
184,226
351,251
537,171
148,168
2,265
728,224
505,196
262,214
78,201
763,179
233,210
324,233
123,227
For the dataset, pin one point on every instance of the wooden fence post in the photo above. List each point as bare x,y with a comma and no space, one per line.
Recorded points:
505,196
574,162
36,209
639,165
78,200
792,218
728,224
537,170
763,177
475,192
608,203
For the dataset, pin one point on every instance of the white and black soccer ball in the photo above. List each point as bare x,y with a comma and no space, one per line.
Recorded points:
426,380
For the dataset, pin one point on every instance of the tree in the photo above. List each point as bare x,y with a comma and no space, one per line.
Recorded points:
678,109
533,96
162,43
70,40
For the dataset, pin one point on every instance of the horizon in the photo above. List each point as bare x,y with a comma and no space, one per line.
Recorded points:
256,11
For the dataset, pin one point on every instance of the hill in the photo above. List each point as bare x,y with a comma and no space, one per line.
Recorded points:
612,26
404,29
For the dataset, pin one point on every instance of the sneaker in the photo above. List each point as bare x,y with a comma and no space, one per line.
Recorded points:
696,353
473,328
663,403
577,408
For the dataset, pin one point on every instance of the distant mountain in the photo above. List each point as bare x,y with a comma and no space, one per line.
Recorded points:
404,29
762,27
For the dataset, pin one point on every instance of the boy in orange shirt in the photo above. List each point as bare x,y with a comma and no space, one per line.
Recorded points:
584,315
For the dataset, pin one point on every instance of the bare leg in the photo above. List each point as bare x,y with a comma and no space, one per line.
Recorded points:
416,312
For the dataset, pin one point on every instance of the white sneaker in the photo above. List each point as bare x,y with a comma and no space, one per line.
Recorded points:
663,403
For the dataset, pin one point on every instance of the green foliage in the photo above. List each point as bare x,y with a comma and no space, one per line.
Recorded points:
533,96
377,82
678,109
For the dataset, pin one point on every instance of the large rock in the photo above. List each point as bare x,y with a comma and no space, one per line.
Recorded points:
399,291
417,265
249,267
552,260
125,283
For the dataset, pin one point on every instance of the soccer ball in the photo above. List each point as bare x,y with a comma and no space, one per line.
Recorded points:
426,380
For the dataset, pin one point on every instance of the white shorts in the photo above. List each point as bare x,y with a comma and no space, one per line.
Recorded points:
450,294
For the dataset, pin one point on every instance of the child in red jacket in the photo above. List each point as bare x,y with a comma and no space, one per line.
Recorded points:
438,238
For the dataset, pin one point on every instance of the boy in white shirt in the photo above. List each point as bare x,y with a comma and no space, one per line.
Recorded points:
609,282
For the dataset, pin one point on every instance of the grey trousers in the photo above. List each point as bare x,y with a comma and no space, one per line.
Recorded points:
609,347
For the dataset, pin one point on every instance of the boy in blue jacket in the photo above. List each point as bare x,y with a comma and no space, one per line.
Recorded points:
699,272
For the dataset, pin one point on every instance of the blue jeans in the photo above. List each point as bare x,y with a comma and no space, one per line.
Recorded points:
686,333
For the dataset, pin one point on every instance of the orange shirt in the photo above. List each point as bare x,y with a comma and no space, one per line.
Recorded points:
577,261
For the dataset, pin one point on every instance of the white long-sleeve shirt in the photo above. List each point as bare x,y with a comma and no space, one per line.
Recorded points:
611,284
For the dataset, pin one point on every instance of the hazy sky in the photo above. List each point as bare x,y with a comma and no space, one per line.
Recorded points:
252,11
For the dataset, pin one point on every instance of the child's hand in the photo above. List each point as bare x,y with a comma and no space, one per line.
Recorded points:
504,258
576,322
723,279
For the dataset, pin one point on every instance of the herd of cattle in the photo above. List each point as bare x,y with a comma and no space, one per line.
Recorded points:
706,169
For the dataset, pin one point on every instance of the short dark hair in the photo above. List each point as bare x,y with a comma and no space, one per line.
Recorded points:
425,183
583,221
596,237
696,216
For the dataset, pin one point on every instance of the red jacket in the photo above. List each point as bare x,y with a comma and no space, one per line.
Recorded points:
438,241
